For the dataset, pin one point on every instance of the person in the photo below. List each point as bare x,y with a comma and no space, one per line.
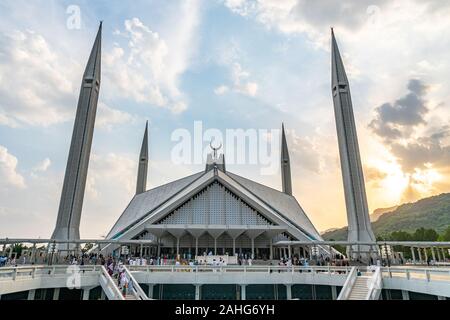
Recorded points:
124,283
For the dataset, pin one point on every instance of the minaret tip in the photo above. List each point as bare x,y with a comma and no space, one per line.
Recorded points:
286,180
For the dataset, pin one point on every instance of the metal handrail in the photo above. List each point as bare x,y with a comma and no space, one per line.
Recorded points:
375,286
109,285
246,269
12,273
137,290
410,272
348,285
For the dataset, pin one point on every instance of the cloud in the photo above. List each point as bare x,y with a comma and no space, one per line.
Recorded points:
240,83
43,165
307,153
398,125
221,90
34,86
148,68
311,17
108,117
9,177
392,120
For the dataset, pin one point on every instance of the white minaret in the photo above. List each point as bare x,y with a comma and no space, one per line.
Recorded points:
70,206
141,185
359,227
286,180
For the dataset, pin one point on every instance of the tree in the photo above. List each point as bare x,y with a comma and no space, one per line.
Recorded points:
423,234
446,235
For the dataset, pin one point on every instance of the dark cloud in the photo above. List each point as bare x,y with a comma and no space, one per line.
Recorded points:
426,150
400,120
393,121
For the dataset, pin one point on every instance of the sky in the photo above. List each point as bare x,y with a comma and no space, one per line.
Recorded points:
231,64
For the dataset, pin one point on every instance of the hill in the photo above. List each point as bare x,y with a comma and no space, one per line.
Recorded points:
429,213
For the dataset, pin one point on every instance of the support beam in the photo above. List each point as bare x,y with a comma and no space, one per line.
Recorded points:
150,290
334,294
405,295
198,291
243,292
86,294
289,292
56,294
31,294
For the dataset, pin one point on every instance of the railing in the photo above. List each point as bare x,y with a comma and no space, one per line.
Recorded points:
348,285
426,274
30,272
135,287
109,286
243,269
376,283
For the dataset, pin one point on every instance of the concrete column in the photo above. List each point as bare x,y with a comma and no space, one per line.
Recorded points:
420,254
197,291
243,292
413,255
432,254
234,246
426,254
4,249
334,294
196,246
56,294
271,250
31,294
253,248
289,251
103,295
86,294
33,254
159,247
150,291
215,246
142,249
178,246
405,295
10,251
438,254
289,292
444,256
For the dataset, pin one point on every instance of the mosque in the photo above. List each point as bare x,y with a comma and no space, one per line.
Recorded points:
214,211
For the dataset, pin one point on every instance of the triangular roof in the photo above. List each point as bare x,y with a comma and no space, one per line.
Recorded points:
145,202
284,204
152,205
